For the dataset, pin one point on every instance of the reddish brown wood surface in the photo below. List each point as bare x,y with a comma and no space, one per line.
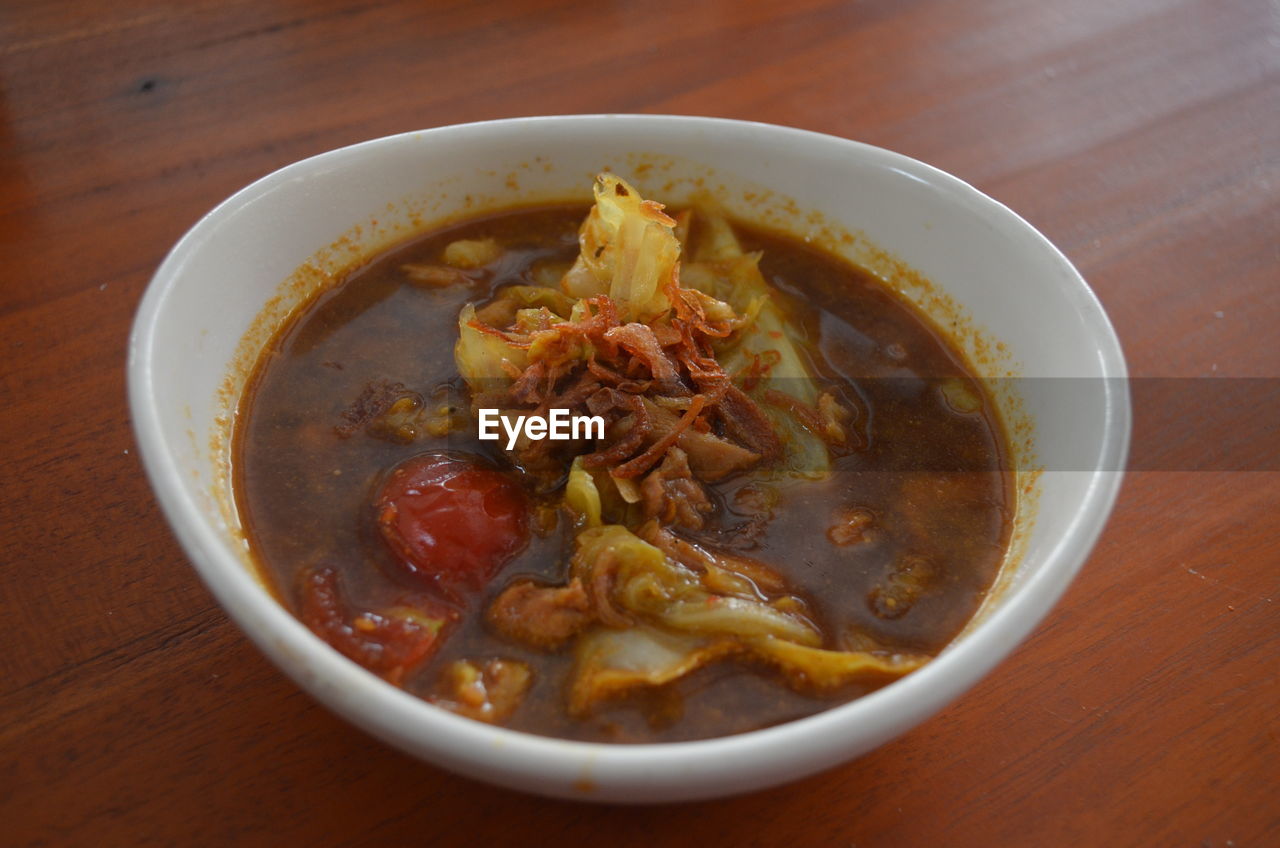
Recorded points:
1142,137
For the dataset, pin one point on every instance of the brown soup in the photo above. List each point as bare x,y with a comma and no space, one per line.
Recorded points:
884,555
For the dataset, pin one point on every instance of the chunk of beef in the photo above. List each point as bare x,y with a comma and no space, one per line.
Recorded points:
711,458
489,692
542,617
907,579
671,495
850,526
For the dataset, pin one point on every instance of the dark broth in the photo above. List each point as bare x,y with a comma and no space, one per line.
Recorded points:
305,492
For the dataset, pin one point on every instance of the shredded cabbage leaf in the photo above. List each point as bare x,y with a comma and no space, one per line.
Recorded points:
629,251
649,585
810,667
723,270
611,662
668,624
480,354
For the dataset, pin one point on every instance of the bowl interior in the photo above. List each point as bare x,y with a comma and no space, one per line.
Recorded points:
1018,308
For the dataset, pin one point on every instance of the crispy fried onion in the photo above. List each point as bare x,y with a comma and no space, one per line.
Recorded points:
658,385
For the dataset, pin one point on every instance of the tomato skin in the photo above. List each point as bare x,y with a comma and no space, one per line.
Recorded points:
451,521
391,643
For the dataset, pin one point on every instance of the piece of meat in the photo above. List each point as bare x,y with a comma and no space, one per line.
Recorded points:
671,495
489,692
711,458
543,617
850,526
651,455
909,577
756,502
401,422
834,417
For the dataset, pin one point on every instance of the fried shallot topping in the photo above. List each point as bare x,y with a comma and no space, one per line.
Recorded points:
658,386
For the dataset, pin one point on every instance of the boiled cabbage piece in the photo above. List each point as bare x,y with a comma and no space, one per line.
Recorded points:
814,668
658,620
628,251
612,662
485,357
769,337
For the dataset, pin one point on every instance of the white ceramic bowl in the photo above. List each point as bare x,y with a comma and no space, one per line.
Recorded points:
207,308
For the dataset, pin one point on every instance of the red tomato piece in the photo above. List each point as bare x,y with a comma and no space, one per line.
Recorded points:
451,521
390,643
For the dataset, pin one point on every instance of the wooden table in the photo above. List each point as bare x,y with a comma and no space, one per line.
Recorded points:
1142,137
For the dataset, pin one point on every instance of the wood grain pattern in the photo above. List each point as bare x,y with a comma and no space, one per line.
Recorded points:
1142,137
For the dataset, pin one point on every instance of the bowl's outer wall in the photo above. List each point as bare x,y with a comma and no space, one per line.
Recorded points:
214,283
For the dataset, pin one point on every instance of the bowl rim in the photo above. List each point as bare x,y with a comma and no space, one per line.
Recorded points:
473,747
